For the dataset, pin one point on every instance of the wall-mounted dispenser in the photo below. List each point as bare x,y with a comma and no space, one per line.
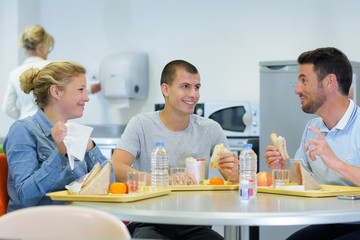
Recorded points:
124,76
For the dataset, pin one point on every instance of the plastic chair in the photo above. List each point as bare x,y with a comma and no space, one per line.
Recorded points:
61,222
4,197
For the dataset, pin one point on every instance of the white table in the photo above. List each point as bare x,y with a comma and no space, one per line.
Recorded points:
225,208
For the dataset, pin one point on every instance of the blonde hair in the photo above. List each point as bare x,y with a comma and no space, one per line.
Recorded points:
33,36
58,73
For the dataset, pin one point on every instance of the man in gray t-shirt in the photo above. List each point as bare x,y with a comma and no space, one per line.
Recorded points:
197,140
184,135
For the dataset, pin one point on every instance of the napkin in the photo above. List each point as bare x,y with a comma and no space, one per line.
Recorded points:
76,141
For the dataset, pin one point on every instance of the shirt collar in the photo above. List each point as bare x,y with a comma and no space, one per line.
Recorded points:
33,59
343,121
44,122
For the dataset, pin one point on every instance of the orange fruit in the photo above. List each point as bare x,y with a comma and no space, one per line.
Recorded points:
264,179
216,181
118,188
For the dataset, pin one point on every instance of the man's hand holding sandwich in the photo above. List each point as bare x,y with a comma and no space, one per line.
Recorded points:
227,162
276,155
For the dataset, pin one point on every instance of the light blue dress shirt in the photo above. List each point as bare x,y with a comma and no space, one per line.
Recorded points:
344,140
35,165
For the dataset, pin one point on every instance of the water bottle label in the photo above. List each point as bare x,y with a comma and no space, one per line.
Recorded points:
251,190
244,193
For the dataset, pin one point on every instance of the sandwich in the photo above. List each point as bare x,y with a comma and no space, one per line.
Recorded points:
100,183
280,143
92,173
304,177
218,151
97,181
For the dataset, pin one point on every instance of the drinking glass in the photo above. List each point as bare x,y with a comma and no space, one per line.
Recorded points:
280,177
179,175
136,182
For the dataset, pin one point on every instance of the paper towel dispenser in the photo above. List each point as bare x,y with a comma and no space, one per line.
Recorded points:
125,75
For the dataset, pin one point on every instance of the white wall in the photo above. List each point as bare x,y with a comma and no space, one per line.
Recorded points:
8,52
224,39
27,14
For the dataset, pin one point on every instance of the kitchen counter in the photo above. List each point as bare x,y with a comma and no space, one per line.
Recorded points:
106,137
107,130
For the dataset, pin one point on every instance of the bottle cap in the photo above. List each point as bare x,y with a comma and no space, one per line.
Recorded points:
247,145
159,144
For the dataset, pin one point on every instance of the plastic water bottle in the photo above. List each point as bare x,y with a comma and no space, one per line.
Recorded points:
159,168
247,177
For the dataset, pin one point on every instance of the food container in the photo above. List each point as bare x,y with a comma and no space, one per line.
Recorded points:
197,168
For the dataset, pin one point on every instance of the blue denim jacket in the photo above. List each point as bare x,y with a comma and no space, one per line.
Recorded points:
35,165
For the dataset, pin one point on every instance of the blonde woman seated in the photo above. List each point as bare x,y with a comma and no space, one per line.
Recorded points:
34,146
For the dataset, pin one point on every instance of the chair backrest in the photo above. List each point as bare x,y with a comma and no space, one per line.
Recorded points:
62,222
4,197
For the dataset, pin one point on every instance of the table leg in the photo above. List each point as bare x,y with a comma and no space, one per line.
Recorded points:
236,232
231,232
244,232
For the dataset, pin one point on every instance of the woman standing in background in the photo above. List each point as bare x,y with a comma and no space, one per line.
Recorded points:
38,43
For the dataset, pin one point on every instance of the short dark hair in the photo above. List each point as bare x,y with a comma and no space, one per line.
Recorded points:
330,61
169,72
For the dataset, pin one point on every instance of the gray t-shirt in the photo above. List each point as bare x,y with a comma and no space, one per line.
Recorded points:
197,140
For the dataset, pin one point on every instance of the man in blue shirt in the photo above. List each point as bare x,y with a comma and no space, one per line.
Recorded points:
330,145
